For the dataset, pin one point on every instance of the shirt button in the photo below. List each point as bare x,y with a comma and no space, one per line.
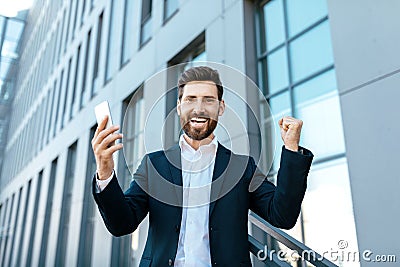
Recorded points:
177,228
170,262
211,228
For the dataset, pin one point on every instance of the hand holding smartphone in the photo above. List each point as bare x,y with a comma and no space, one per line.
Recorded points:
103,142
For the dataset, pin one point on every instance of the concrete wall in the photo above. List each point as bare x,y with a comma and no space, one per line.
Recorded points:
366,41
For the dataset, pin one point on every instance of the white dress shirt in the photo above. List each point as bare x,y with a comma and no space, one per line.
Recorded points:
197,170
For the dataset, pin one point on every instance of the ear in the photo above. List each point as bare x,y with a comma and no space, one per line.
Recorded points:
221,107
178,107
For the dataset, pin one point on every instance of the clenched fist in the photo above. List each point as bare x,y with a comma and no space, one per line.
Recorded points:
290,132
103,144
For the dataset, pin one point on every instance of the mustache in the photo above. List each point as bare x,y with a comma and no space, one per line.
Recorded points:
197,116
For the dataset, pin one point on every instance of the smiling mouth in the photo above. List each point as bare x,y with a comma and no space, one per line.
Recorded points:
198,121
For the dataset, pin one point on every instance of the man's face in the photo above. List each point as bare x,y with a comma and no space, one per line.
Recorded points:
199,109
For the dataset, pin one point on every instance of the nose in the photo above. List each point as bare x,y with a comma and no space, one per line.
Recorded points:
199,106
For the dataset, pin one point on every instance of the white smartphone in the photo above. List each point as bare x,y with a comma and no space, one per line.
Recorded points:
102,110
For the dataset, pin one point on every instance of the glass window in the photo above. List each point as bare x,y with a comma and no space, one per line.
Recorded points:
77,17
328,205
32,225
95,81
303,84
170,7
145,29
317,104
83,11
280,106
83,99
13,229
278,76
74,85
311,52
88,211
23,223
66,90
128,36
274,24
7,226
114,40
63,227
303,13
48,213
66,39
134,139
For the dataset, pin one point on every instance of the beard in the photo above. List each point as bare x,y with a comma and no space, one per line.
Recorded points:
198,133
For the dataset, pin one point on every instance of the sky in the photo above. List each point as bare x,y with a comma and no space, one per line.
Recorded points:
10,8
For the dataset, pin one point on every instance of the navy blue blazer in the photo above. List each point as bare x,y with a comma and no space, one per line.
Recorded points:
151,193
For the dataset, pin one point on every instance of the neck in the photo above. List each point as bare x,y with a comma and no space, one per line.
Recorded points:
197,143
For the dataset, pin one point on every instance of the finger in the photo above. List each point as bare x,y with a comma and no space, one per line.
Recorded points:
101,126
109,140
104,133
114,148
285,124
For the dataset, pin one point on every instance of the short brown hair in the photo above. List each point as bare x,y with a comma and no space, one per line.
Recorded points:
201,73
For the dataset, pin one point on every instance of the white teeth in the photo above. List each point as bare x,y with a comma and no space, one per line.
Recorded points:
199,120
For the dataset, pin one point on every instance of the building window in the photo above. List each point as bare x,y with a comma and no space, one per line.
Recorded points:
95,81
127,33
23,224
83,11
66,39
50,112
7,226
34,219
170,8
82,100
48,213
14,227
88,211
64,116
296,73
77,17
145,28
63,228
114,40
134,138
74,85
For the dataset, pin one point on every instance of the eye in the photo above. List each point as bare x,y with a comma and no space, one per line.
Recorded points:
210,100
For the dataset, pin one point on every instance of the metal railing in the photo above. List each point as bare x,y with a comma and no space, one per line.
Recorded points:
270,258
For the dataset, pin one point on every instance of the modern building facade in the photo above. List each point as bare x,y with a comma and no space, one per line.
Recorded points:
333,64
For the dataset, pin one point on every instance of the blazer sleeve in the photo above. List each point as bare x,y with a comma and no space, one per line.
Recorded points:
281,205
123,212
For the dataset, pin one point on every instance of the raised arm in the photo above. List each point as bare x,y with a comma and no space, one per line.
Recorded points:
281,205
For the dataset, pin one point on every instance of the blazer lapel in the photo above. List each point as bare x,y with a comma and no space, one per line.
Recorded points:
173,156
221,163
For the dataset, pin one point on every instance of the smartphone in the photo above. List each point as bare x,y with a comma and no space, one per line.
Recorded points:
102,110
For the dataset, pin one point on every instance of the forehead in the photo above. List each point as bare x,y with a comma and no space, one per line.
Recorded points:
200,88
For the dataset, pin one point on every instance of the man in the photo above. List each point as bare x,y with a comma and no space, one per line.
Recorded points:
198,193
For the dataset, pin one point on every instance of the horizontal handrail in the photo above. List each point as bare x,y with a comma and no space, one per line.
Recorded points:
286,240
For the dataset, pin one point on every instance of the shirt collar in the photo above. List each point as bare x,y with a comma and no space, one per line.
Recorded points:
183,144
